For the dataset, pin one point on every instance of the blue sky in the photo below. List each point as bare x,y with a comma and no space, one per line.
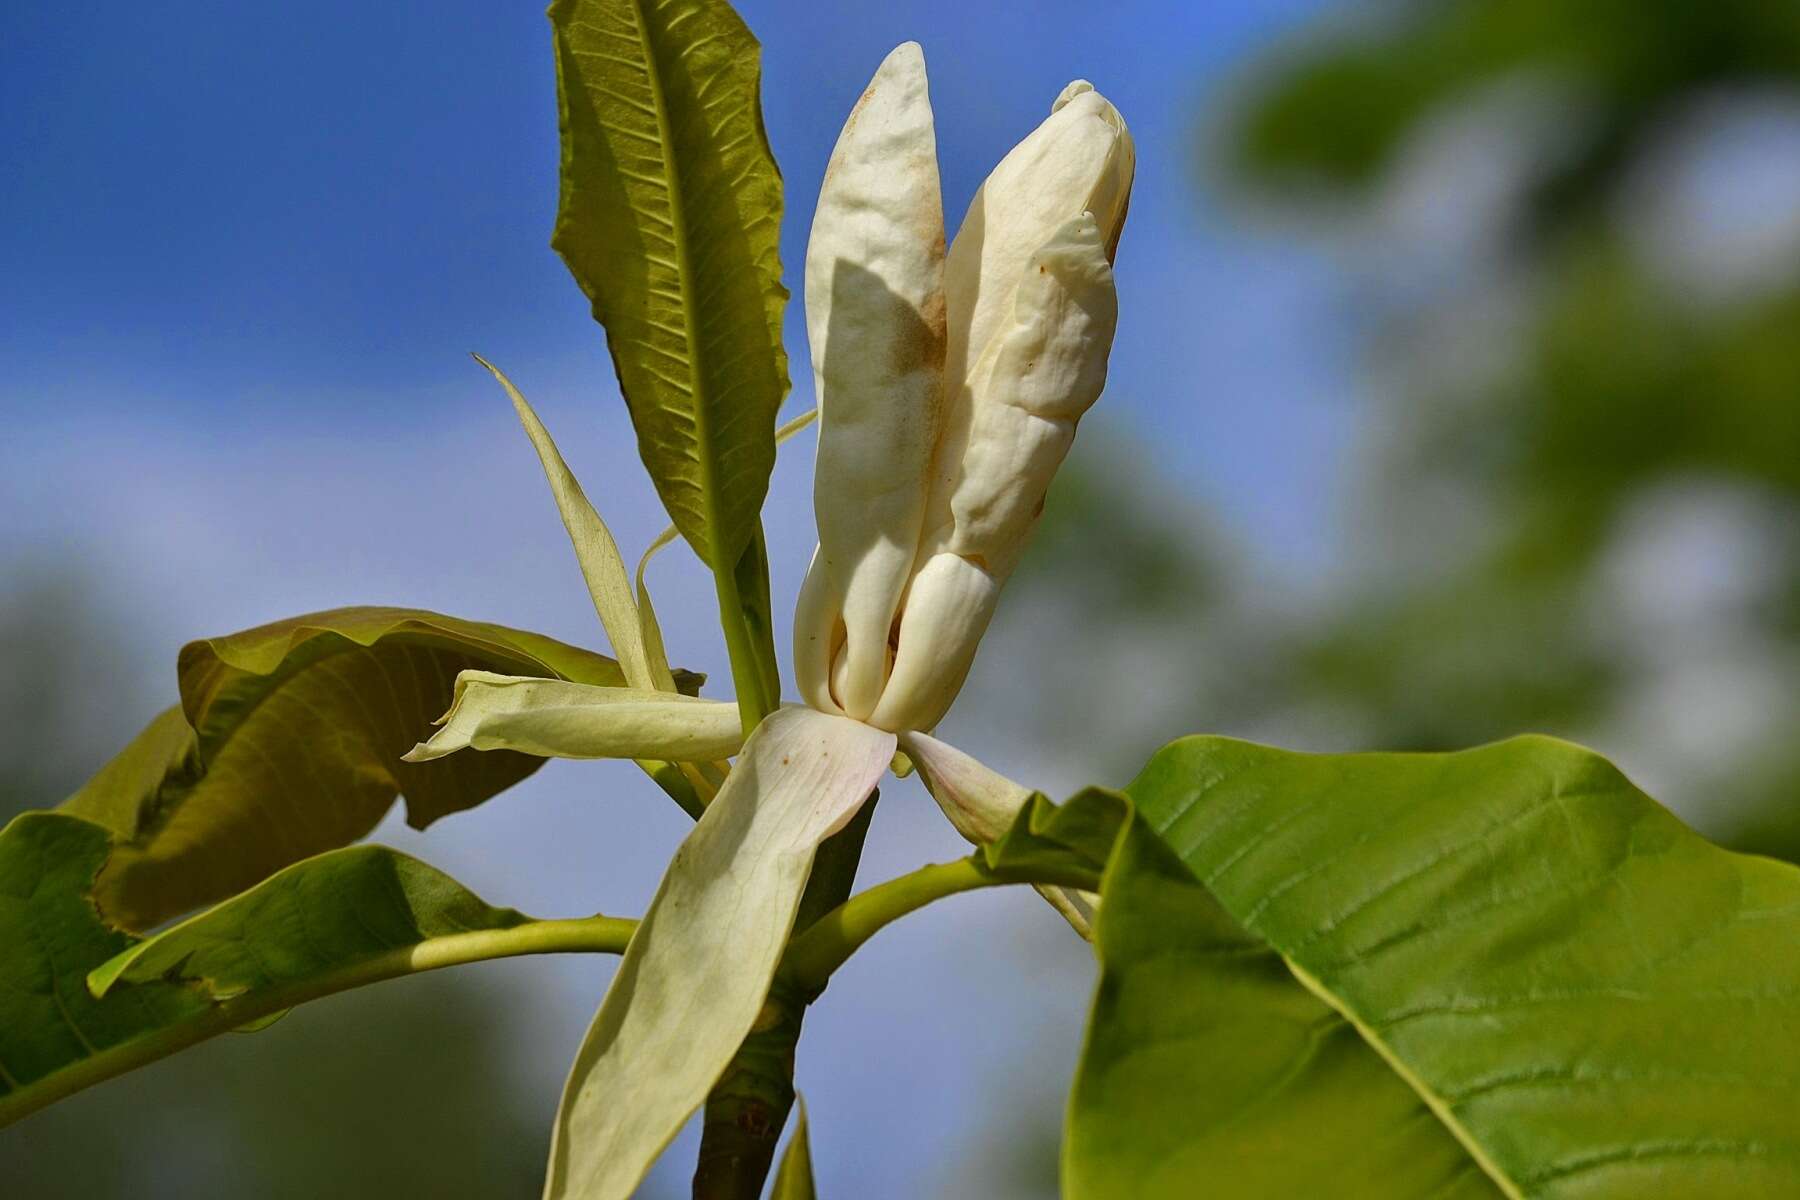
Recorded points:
306,216
244,251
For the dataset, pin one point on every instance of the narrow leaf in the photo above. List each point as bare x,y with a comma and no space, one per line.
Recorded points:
794,1177
340,920
602,566
652,629
699,967
555,719
669,220
289,743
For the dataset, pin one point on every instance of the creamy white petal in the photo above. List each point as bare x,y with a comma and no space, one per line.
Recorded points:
1045,367
1079,160
980,802
947,609
875,320
818,636
557,719
696,972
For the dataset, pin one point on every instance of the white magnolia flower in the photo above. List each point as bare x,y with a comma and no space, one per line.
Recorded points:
949,388
949,385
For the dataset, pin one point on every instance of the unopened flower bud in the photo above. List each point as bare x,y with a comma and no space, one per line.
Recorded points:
932,472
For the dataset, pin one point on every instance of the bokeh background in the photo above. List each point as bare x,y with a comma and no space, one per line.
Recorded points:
1458,394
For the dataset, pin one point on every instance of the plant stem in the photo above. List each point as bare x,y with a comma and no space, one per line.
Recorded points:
743,591
590,935
746,674
748,1106
814,955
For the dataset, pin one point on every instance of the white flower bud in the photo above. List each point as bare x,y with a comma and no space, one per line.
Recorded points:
946,407
875,319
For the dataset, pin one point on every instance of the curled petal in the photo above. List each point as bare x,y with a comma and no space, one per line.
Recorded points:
947,609
818,636
556,719
875,320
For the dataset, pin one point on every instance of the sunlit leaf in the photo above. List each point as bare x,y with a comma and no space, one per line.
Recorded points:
696,974
669,220
1208,1070
340,920
289,742
1517,975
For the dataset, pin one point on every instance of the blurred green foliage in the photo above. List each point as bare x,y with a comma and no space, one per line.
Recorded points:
409,1084
1581,510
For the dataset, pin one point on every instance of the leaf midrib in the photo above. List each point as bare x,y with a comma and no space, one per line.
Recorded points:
1439,1107
683,267
590,935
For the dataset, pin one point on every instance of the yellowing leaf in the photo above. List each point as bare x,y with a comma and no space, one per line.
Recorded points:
288,743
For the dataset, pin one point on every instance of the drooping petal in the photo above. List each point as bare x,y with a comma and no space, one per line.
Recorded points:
980,802
983,804
875,319
697,970
557,719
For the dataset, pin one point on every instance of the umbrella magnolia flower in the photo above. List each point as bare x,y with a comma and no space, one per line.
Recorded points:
1243,902
949,388
949,384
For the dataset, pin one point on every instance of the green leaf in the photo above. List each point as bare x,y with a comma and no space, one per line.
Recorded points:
289,742
669,220
698,971
337,921
602,566
794,1177
50,937
1585,995
1208,1071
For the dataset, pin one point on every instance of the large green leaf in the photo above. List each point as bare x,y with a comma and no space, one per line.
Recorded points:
1209,1071
669,220
1586,996
81,1002
288,742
